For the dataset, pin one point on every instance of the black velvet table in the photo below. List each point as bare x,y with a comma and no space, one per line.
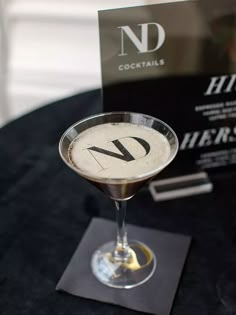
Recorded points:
45,208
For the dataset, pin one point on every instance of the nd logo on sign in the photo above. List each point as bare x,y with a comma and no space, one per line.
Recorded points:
142,43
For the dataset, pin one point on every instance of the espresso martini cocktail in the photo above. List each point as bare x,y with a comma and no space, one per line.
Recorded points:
126,153
119,152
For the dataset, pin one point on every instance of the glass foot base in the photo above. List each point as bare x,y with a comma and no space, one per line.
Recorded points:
127,273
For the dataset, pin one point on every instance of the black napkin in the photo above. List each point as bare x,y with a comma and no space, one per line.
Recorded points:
155,296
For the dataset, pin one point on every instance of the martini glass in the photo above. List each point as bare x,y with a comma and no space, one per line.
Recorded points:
120,263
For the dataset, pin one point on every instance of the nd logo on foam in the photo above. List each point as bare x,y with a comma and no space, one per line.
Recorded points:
124,154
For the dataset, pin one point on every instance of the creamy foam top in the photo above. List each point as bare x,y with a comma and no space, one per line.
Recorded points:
119,150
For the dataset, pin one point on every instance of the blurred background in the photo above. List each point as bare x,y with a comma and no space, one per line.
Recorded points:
49,49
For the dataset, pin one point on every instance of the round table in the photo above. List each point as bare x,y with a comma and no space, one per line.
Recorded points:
45,208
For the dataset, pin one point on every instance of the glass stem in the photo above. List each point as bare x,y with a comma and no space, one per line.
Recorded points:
122,250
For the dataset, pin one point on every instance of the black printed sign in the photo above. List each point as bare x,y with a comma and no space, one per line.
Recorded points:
177,62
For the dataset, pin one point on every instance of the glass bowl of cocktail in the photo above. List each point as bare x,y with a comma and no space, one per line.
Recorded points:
119,152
